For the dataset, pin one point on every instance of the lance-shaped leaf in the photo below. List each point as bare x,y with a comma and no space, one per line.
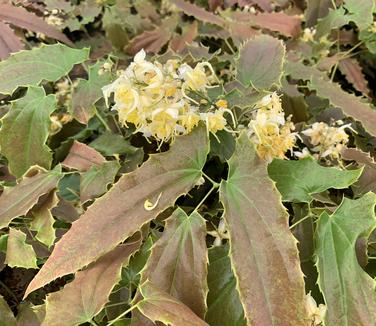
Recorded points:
349,291
24,132
124,208
263,251
178,261
88,92
297,181
6,315
19,253
43,220
224,306
260,62
353,72
83,298
48,62
9,41
160,306
18,200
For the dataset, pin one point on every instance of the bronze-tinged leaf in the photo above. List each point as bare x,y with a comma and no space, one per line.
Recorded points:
9,42
317,9
6,315
199,13
82,157
160,306
18,200
353,72
178,261
30,315
83,298
179,42
349,292
123,209
153,41
20,17
262,249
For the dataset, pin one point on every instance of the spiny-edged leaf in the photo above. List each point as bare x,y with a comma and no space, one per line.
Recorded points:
110,144
24,132
88,92
361,12
316,9
43,220
178,261
6,315
298,180
353,72
157,305
22,18
189,33
349,291
9,41
49,62
94,182
82,157
83,298
263,251
161,179
19,253
18,200
260,62
351,105
224,306
199,13
335,19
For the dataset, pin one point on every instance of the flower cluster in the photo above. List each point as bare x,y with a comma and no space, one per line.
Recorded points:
269,129
155,97
316,313
328,141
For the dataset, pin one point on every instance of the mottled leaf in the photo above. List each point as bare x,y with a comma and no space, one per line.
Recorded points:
83,298
224,306
88,92
160,306
298,180
24,132
6,315
49,62
260,62
43,220
19,253
349,291
160,180
82,157
94,182
18,200
177,264
9,42
22,18
263,251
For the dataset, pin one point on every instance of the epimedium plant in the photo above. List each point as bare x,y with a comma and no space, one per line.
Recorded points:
202,167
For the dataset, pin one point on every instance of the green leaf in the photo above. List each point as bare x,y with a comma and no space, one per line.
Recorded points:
178,261
298,180
88,92
48,62
361,12
110,144
260,62
349,291
19,253
224,306
335,19
24,132
263,251
160,306
160,180
6,315
43,220
83,298
94,182
18,200
222,145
